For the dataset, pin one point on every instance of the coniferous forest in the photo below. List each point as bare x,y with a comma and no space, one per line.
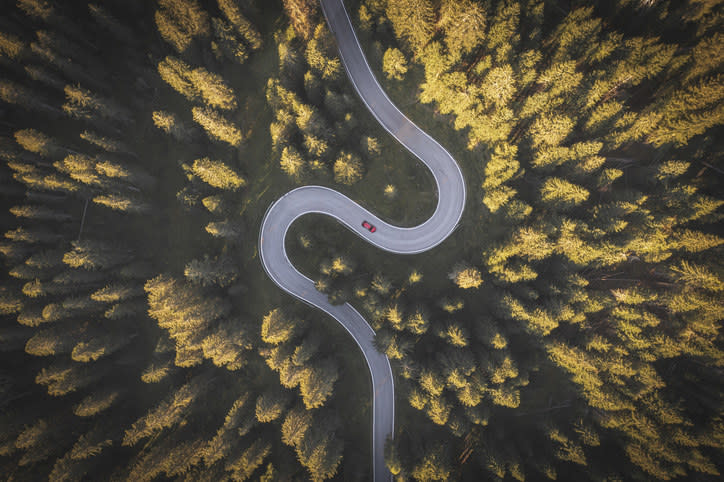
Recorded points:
569,329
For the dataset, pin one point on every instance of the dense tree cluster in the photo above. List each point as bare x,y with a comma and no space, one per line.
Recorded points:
314,133
570,328
594,256
296,353
120,358
73,303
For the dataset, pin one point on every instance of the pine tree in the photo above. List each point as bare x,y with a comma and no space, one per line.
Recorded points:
10,46
166,456
296,424
498,86
320,55
81,168
91,348
123,171
168,413
301,15
33,236
413,20
304,352
177,74
697,276
317,385
95,255
96,403
90,443
244,27
228,345
220,445
320,452
292,163
310,120
456,335
217,174
550,130
464,25
271,405
227,44
690,112
245,465
34,289
122,203
182,309
51,341
348,168
35,141
197,84
289,60
155,372
106,143
37,8
34,435
230,230
9,302
171,124
500,168
39,212
276,328
503,36
213,89
696,241
63,378
83,104
179,21
434,465
217,126
562,194
394,64
316,147
466,277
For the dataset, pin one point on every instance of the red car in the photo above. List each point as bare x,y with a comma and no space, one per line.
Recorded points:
368,226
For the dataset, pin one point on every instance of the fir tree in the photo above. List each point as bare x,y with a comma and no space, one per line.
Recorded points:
217,174
394,64
169,412
179,21
413,20
244,27
270,405
463,24
348,169
301,15
217,126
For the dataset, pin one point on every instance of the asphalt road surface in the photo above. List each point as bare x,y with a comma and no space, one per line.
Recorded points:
316,199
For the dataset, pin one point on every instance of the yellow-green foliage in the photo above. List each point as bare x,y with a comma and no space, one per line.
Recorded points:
217,174
217,126
179,21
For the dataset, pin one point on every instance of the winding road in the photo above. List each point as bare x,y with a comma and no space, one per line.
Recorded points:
316,199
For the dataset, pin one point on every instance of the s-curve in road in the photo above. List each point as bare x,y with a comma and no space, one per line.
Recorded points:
316,199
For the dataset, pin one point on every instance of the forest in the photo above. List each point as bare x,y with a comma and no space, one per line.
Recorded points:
569,329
